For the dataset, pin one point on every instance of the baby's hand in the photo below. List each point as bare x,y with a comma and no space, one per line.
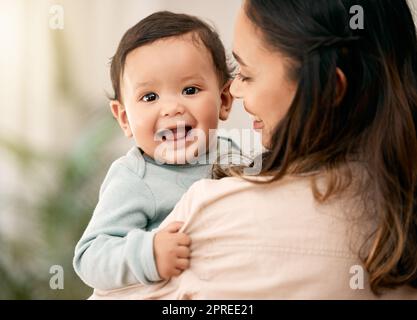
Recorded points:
172,252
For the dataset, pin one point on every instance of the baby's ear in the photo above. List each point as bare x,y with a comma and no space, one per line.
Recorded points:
119,112
227,100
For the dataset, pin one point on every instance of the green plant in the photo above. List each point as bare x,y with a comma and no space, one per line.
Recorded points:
59,214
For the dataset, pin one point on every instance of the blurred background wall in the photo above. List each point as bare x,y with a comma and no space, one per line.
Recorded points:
57,136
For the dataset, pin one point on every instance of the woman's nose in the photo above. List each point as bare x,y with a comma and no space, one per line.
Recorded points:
172,109
235,89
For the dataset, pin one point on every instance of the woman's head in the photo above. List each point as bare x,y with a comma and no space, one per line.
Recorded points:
263,81
339,94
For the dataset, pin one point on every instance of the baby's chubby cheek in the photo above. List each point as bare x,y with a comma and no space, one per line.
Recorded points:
208,127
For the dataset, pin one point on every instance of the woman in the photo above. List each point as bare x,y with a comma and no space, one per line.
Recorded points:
333,213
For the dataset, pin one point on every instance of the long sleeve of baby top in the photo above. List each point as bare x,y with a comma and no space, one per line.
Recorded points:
116,249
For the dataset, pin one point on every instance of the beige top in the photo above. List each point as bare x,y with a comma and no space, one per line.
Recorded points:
270,241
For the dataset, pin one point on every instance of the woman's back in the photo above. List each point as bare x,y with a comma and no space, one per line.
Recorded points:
269,241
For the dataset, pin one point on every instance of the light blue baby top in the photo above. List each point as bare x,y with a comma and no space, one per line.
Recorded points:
116,249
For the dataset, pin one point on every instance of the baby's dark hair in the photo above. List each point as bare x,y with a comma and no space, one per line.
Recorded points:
164,24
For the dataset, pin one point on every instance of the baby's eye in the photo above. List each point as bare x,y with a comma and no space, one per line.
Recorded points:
190,91
149,97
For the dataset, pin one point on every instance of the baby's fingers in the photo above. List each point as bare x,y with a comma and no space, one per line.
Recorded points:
183,239
182,264
183,252
174,226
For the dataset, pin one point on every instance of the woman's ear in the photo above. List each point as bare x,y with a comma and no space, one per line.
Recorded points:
227,100
341,86
119,112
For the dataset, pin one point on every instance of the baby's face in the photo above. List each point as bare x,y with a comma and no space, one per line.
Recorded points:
169,88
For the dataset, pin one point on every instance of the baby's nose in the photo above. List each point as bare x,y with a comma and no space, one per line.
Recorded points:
172,109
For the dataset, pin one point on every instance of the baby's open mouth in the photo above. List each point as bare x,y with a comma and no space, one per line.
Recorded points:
174,134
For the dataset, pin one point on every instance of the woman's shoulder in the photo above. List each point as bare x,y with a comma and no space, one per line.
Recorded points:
221,186
291,194
255,182
231,189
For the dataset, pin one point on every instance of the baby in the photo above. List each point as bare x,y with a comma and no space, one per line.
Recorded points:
171,84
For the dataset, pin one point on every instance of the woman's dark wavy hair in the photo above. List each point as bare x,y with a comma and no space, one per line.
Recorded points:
374,122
